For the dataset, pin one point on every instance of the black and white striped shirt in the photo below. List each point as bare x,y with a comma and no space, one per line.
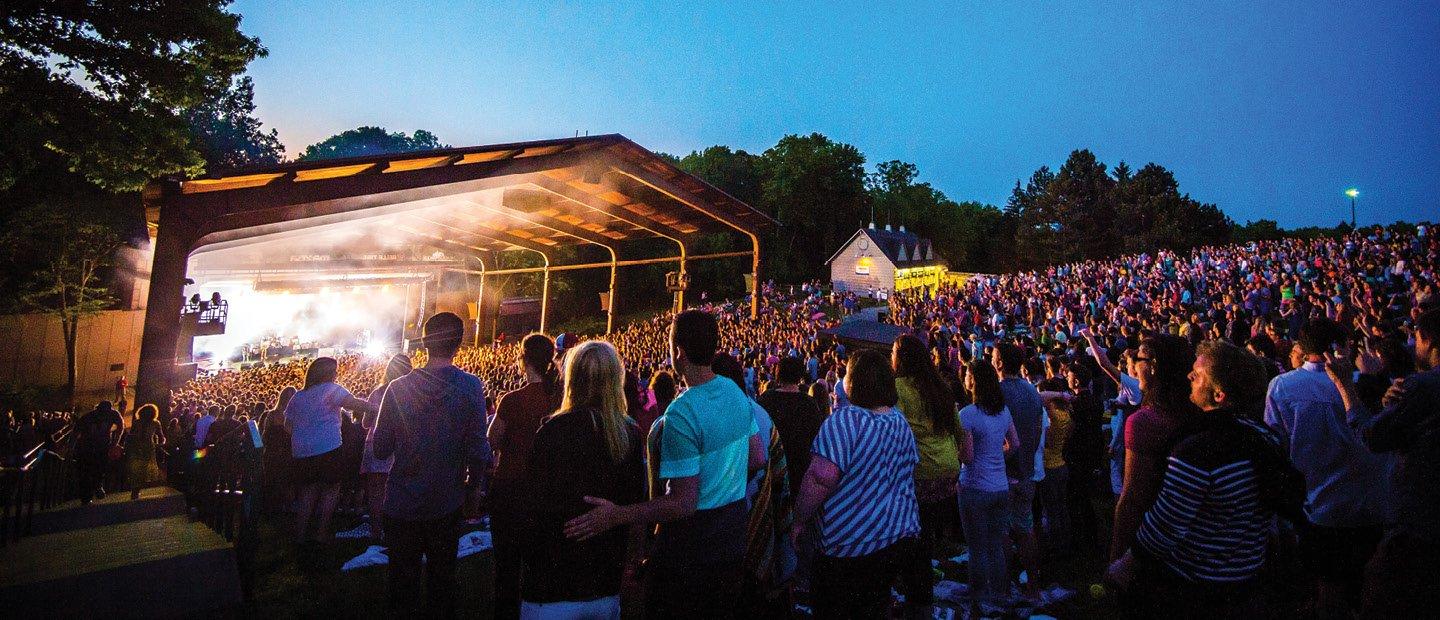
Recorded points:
1208,523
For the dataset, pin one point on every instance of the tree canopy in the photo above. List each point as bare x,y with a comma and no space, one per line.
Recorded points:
820,193
97,87
370,141
228,135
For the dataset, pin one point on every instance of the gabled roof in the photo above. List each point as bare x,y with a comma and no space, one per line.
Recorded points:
904,249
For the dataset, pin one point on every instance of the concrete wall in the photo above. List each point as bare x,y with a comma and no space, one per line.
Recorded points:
842,270
32,351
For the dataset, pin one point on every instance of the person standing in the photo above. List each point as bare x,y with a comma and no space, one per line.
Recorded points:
1400,579
984,486
1084,454
1027,412
662,387
928,405
588,449
376,471
1052,488
96,433
277,465
1128,396
141,443
121,384
860,488
517,417
1163,364
313,418
1347,485
202,425
432,421
797,417
709,445
1201,546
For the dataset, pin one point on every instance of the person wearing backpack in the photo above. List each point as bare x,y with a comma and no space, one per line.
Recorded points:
1200,547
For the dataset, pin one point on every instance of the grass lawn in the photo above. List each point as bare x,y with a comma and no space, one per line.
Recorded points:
283,590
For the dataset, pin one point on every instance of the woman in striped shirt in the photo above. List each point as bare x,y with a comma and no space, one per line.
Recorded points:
1201,545
861,482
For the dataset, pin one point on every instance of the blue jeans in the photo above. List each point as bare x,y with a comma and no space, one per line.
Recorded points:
985,517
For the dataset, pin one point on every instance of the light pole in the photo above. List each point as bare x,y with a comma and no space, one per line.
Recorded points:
1352,193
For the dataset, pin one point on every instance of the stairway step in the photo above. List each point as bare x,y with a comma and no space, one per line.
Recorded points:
113,509
75,553
164,567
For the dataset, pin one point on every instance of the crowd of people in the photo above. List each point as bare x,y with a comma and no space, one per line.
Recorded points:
1184,424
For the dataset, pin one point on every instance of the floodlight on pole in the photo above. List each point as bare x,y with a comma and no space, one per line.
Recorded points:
1353,194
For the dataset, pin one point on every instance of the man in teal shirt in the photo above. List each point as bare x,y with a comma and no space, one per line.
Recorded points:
709,445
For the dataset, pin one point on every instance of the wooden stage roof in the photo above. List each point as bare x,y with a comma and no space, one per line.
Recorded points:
537,196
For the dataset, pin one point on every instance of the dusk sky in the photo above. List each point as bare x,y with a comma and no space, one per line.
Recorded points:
1269,109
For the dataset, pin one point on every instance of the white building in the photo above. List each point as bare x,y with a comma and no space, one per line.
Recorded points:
883,261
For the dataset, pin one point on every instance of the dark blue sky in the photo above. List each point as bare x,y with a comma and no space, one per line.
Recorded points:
1268,109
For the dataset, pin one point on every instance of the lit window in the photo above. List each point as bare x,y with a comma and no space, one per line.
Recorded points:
862,266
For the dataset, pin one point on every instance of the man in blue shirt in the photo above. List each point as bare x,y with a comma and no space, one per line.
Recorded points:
1347,485
433,421
708,447
1400,577
1028,414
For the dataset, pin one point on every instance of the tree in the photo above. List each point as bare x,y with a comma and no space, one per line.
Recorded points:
1082,199
1036,224
735,172
96,87
815,187
72,253
228,135
368,140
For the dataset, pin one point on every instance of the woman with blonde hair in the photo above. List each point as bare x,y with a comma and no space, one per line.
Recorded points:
376,471
588,449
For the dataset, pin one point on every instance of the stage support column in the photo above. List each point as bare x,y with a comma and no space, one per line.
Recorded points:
480,308
754,277
680,294
610,305
480,302
545,295
174,239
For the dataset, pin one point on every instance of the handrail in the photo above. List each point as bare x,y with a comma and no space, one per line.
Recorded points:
30,459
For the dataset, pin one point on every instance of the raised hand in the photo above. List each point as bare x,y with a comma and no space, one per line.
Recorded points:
1369,363
1340,369
1394,394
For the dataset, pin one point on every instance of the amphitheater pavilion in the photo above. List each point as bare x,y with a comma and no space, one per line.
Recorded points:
336,223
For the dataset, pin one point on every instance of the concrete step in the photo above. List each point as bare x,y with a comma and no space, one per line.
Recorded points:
113,509
159,567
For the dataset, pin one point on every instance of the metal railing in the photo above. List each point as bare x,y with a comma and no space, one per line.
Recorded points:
222,484
42,477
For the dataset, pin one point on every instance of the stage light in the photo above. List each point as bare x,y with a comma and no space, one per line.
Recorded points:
375,348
